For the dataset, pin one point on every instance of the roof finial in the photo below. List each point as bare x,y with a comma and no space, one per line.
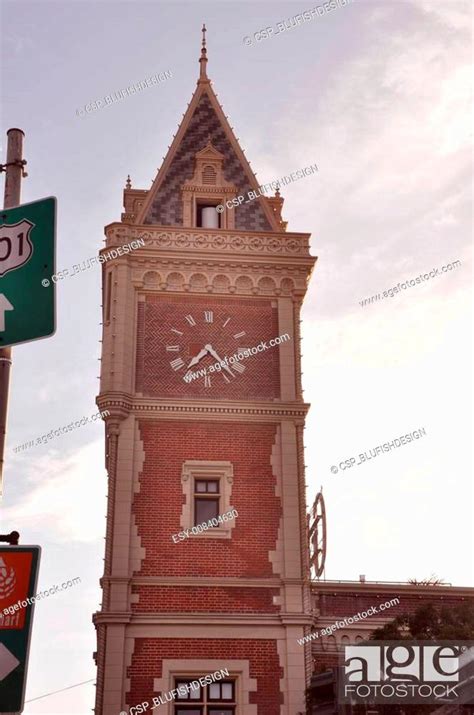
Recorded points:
128,185
203,58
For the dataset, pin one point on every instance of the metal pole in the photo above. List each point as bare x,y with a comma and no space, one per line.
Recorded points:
12,197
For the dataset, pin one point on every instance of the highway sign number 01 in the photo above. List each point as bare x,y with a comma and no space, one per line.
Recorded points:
27,262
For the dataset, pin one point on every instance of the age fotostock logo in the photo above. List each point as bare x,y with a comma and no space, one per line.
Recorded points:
399,672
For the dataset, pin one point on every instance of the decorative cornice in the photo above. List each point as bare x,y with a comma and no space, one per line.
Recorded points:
157,408
198,618
209,189
217,241
257,278
202,581
369,624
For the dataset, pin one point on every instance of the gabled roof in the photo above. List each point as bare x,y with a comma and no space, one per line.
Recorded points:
204,121
209,152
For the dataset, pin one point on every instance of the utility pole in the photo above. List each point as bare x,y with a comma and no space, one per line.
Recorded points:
14,171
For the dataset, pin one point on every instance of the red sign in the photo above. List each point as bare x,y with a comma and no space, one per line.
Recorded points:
15,574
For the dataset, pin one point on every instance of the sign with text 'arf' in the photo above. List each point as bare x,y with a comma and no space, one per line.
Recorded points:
18,576
27,257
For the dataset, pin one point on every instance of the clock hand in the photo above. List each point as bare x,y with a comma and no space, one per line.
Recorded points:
196,359
216,357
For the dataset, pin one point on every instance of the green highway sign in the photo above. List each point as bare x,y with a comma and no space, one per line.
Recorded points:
27,262
18,577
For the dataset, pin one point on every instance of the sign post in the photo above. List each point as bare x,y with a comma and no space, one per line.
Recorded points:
18,577
14,172
27,257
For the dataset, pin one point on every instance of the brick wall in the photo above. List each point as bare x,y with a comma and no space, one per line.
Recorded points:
215,599
349,604
261,654
159,314
158,505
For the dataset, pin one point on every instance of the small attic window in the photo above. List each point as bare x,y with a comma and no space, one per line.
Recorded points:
206,214
209,175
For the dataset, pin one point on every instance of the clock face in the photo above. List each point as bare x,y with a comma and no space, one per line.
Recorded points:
188,348
195,353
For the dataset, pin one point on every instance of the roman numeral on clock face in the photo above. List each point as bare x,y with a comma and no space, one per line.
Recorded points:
207,380
177,364
239,335
208,316
172,348
238,367
190,319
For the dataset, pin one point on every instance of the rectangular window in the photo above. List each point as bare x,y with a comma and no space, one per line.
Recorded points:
206,500
222,691
207,494
185,693
215,699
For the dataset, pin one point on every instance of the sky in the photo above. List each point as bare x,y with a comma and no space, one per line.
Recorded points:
378,95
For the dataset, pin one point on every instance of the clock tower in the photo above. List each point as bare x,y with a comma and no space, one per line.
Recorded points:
206,561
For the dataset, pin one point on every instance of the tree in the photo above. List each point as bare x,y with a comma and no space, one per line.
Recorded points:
432,580
430,622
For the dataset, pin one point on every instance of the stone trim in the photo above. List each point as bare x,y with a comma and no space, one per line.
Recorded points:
127,681
203,581
194,189
292,681
238,669
183,277
201,409
224,472
200,581
276,556
204,619
137,550
179,238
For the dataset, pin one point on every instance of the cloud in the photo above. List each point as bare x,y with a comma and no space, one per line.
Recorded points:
454,14
64,495
389,129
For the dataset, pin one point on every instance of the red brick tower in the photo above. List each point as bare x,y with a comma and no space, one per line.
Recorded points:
204,286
